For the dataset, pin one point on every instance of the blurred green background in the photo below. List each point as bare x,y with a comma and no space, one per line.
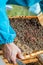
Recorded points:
19,11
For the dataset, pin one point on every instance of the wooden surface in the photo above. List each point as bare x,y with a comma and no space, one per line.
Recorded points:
24,17
26,61
31,60
40,17
28,58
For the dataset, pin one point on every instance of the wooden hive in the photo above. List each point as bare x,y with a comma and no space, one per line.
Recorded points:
27,49
25,27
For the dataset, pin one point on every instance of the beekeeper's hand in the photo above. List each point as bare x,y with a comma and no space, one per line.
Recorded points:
11,52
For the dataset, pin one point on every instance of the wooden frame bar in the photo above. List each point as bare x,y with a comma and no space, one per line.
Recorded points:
28,58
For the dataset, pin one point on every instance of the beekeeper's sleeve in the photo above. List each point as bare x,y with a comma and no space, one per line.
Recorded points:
23,2
41,5
7,34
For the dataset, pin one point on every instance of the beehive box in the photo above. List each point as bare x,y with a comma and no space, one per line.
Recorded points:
29,35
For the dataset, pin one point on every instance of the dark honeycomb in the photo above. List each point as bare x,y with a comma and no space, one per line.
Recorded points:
29,32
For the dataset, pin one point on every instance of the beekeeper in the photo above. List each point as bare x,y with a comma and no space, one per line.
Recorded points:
7,34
